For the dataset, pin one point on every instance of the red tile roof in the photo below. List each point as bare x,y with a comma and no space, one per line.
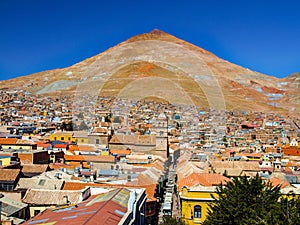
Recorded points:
34,168
291,164
89,158
275,181
9,174
8,141
100,158
204,179
57,166
150,188
37,196
74,164
73,148
79,185
87,148
43,145
120,152
291,151
100,130
74,158
60,146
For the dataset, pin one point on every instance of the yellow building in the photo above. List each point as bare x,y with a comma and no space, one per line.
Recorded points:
78,137
195,195
290,192
81,137
5,160
66,136
194,203
104,152
14,143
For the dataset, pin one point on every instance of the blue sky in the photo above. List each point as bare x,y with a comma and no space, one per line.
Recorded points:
38,35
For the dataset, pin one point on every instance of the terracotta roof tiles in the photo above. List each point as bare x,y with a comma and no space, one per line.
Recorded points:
120,152
9,174
34,168
74,157
37,197
275,181
100,130
87,148
8,141
43,145
73,148
57,166
89,158
60,146
204,179
39,183
150,187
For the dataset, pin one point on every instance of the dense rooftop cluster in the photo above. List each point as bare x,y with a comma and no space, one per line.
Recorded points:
125,161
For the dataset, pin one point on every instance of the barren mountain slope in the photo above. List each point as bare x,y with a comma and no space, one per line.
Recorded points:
159,64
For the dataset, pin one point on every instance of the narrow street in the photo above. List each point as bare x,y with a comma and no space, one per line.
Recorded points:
170,205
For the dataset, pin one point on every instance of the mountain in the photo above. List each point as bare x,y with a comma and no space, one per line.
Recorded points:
159,65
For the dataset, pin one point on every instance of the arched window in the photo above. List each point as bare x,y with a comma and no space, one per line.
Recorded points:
197,211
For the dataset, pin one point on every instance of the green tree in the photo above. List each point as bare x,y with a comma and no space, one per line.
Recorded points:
107,118
290,205
171,221
66,126
252,201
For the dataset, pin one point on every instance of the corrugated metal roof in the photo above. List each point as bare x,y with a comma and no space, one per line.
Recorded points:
107,172
99,209
10,206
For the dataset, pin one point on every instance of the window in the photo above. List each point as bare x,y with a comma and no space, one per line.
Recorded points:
97,141
62,138
42,182
6,187
10,187
69,138
36,212
197,211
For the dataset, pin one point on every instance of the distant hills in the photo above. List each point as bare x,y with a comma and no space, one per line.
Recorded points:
159,65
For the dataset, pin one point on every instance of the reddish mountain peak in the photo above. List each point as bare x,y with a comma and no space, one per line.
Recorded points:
155,34
159,35
158,32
